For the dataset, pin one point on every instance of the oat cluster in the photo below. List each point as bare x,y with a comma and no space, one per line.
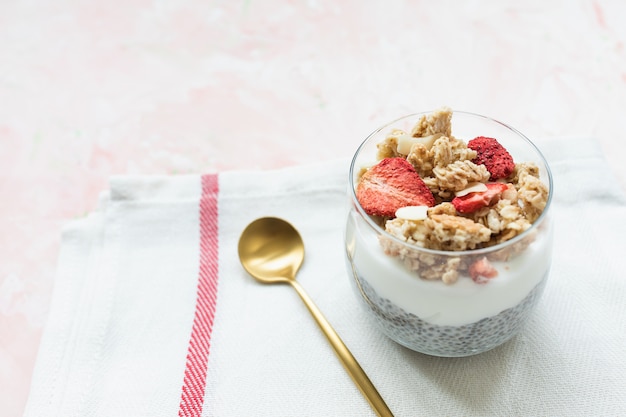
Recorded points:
445,164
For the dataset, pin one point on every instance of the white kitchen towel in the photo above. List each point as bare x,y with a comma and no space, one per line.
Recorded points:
152,314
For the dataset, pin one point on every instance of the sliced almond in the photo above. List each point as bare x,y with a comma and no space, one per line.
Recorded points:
414,213
406,142
428,141
475,187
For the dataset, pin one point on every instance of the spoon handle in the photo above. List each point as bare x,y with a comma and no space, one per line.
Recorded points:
349,362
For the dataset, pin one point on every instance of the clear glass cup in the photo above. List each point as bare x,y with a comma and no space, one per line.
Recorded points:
429,316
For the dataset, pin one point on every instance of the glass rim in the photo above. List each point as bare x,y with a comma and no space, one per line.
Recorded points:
439,252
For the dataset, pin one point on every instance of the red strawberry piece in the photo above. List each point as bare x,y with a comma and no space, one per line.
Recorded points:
481,271
474,201
391,184
493,156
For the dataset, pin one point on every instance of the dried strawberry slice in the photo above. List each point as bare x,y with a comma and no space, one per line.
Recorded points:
473,201
493,156
481,271
391,184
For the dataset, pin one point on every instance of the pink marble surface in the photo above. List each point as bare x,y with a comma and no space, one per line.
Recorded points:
88,90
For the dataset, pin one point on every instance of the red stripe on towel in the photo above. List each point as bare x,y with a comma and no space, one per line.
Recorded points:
192,396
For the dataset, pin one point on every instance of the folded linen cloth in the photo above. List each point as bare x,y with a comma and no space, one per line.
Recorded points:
152,314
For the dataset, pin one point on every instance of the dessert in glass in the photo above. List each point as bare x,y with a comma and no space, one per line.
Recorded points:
449,237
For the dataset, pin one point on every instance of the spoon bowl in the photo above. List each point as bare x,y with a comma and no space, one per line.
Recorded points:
272,251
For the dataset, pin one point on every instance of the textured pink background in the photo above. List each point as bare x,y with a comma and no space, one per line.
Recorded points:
89,89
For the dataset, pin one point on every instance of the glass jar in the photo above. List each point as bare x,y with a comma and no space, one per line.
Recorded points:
428,315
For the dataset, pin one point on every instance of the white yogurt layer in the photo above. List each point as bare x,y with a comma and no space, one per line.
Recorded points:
456,304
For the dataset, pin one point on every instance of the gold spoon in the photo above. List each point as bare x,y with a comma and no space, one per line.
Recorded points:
272,251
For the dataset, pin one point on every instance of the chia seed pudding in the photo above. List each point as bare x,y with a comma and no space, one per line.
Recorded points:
447,341
460,272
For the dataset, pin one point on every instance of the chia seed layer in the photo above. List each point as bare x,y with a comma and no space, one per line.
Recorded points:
449,341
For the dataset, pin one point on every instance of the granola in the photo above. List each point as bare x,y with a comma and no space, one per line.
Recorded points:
502,210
